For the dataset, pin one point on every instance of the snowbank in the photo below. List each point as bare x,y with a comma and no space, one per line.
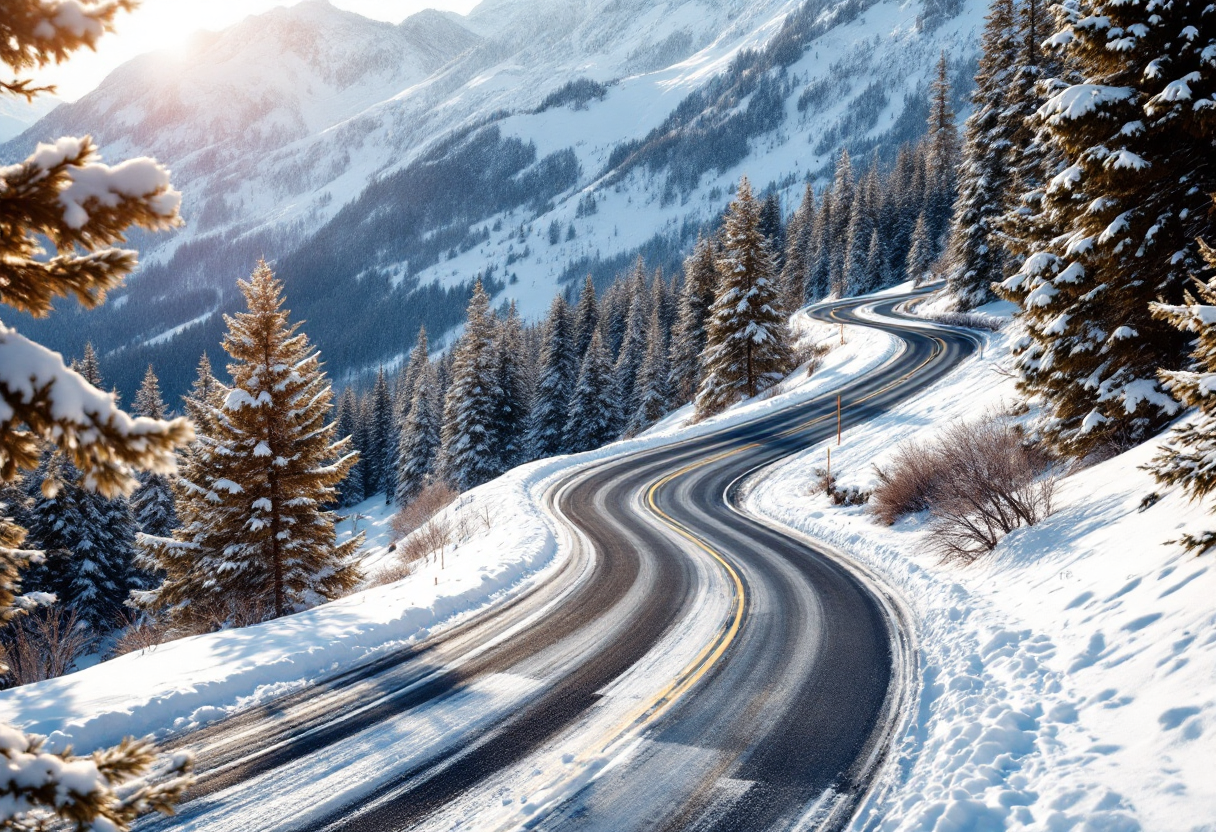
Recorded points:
193,681
1066,679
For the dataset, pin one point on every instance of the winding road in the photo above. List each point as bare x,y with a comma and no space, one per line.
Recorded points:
688,667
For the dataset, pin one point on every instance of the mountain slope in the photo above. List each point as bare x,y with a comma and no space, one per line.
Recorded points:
382,167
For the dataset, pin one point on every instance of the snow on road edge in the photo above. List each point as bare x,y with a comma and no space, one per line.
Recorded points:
1066,680
190,682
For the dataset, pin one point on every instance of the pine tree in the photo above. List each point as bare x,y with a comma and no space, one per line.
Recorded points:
688,338
586,319
470,407
152,502
380,474
48,404
773,229
919,264
823,246
844,191
1120,220
903,201
654,389
558,375
418,445
855,275
350,491
593,409
795,273
747,343
941,160
975,254
260,538
1188,457
511,407
407,379
633,344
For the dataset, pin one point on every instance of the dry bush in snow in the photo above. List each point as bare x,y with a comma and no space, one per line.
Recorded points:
432,499
979,481
42,645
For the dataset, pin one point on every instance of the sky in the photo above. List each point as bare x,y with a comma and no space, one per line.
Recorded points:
160,24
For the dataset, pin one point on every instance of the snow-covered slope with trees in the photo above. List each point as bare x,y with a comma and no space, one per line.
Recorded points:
382,167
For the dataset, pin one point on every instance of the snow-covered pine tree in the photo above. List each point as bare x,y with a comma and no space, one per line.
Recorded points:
633,345
380,474
941,159
46,403
747,340
1122,219
266,544
614,311
511,383
594,413
975,254
418,445
1188,457
586,319
152,502
407,378
919,264
1033,159
844,191
877,270
903,202
688,337
554,390
773,229
654,388
350,491
821,254
665,301
798,234
470,408
855,275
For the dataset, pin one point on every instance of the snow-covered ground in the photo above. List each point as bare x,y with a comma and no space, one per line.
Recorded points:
1067,680
193,681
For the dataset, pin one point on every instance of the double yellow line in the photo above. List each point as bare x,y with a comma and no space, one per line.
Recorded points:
709,655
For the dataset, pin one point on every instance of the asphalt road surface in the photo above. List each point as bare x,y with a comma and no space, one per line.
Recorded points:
718,673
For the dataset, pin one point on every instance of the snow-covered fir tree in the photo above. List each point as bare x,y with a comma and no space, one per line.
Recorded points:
594,413
773,229
555,387
975,254
152,502
919,263
633,344
844,189
819,256
941,151
688,337
1120,219
47,404
654,394
470,408
799,234
407,379
747,339
264,543
586,318
513,393
379,475
418,445
350,490
1188,457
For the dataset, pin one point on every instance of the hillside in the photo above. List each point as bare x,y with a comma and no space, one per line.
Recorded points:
381,167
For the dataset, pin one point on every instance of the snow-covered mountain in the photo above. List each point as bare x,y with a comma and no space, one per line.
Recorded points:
381,167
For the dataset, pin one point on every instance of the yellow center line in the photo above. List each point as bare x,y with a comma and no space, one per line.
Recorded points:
712,652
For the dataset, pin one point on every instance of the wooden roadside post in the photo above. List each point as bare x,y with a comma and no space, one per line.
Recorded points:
838,427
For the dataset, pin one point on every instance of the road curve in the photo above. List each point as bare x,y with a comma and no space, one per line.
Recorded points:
776,718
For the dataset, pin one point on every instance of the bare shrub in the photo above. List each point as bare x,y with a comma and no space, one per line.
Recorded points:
433,498
43,645
907,484
390,574
979,481
140,632
811,354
